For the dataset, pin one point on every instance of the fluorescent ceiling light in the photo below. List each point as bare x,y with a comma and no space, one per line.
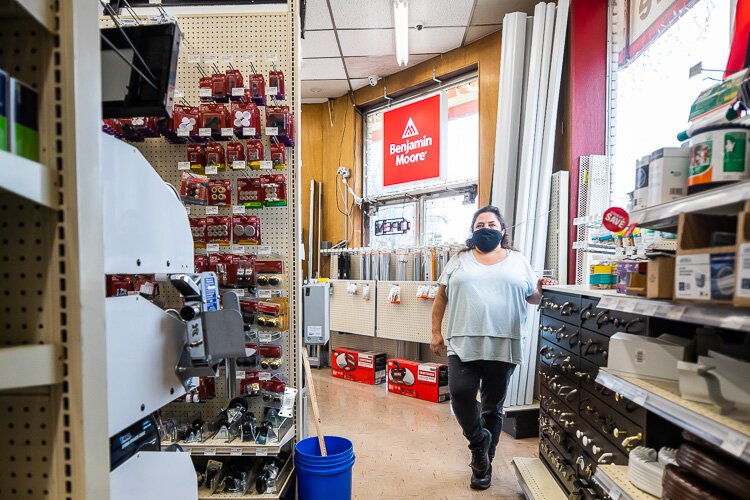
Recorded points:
401,23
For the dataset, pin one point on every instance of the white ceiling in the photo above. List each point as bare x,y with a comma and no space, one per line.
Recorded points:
348,40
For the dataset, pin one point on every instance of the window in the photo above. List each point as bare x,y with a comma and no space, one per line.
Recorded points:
439,210
653,93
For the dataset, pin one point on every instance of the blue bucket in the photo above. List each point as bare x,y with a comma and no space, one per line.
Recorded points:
324,478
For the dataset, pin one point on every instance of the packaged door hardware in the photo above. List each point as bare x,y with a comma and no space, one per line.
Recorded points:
250,192
276,85
246,120
366,367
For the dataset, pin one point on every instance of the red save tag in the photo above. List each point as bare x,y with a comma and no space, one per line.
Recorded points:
615,219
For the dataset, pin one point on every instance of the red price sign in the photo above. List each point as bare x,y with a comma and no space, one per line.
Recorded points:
615,219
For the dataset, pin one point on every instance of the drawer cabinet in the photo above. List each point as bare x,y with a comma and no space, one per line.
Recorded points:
609,322
622,432
561,306
561,468
560,333
597,446
594,347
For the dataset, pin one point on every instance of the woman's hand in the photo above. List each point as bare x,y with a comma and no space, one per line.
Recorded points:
536,297
545,282
438,344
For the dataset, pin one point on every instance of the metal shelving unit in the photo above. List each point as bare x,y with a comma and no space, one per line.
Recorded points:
535,480
703,420
30,366
614,480
283,485
217,447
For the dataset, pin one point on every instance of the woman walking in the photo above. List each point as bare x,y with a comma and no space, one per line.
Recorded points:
485,288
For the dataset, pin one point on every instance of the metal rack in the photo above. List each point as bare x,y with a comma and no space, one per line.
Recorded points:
535,480
614,480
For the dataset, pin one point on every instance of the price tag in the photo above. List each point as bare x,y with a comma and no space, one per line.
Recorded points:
264,294
235,452
734,444
178,93
187,209
227,58
272,91
615,493
209,451
227,132
239,165
629,306
194,58
238,209
648,309
264,250
183,133
675,313
732,322
248,131
607,302
239,251
639,397
239,291
212,247
266,165
204,132
261,452
204,92
264,376
248,58
272,57
211,59
240,374
183,165
238,92
578,221
265,338
272,130
212,170
212,210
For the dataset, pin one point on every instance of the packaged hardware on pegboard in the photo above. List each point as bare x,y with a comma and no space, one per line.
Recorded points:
233,271
134,129
235,155
205,89
275,190
272,314
250,192
276,85
270,280
235,84
196,156
278,155
256,89
205,391
200,263
215,156
280,123
249,310
214,118
194,188
220,192
184,124
220,87
256,153
131,284
221,475
246,120
269,265
198,228
246,230
219,230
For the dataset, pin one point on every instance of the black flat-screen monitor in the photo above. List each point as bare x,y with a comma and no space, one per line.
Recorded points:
139,67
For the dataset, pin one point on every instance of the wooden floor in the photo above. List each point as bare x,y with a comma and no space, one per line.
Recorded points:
407,448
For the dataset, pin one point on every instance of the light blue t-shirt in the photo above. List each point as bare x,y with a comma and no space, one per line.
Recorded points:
487,306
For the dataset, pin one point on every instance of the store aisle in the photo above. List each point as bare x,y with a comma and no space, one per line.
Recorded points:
408,448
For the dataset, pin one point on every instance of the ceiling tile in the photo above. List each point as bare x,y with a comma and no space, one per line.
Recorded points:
362,13
358,83
377,42
314,89
477,32
323,69
362,67
493,11
440,12
320,44
317,16
434,40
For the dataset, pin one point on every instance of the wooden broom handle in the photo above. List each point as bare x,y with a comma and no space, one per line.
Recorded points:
314,401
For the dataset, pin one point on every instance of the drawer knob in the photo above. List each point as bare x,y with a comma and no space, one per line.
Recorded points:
566,309
596,450
583,375
618,433
579,434
587,312
606,458
629,442
587,441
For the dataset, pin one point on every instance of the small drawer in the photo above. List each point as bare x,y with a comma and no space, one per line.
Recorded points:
563,441
597,446
558,332
556,463
561,306
565,416
594,347
587,375
608,322
620,431
557,358
565,390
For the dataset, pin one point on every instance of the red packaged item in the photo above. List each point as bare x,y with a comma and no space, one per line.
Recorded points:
220,192
119,285
198,228
269,266
250,192
196,157
250,384
269,308
235,153
235,84
366,367
216,265
200,263
427,381
270,351
219,87
214,117
276,81
246,277
246,230
275,190
255,154
194,188
272,385
146,285
278,155
215,156
245,118
256,89
185,120
206,89
248,308
206,389
218,230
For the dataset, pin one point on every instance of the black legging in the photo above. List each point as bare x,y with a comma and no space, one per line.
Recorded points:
464,380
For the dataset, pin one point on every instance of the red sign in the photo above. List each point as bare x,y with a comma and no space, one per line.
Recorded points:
615,219
411,142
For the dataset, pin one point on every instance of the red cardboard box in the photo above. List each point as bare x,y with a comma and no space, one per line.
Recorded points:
428,381
367,367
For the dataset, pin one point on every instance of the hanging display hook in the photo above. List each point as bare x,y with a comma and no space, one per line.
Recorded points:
435,79
385,95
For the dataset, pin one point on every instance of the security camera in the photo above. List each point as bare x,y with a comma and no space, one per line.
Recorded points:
419,26
373,79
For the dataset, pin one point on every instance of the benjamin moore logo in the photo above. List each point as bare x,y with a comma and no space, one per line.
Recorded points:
410,130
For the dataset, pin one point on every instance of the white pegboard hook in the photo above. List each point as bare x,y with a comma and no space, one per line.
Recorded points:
385,95
435,78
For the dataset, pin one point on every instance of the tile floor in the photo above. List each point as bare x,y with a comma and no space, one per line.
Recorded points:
407,448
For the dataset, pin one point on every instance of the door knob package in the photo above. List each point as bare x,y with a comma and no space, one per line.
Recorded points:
427,381
367,367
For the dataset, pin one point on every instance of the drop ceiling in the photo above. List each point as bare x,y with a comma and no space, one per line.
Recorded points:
348,40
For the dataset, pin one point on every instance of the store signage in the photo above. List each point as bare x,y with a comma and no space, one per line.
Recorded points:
411,142
615,219
647,19
391,226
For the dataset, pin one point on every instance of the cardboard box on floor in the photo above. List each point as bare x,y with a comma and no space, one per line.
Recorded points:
742,290
703,272
367,367
427,381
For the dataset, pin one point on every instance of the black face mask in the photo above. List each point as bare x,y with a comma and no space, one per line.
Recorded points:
486,240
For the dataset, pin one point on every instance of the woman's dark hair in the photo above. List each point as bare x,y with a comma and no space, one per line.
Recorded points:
506,243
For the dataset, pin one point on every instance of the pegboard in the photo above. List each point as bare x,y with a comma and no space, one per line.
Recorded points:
352,313
411,320
593,198
363,343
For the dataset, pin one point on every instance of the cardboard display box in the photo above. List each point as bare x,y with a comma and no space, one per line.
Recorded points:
367,367
660,278
427,381
742,290
705,271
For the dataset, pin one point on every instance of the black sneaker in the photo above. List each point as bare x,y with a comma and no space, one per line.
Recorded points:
481,482
480,462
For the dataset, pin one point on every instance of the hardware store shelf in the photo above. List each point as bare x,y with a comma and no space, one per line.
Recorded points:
535,480
724,200
614,480
30,366
703,420
286,475
217,447
26,178
41,10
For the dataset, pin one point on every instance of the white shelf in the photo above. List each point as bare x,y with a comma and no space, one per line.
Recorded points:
724,200
30,366
217,447
26,178
722,316
536,480
282,487
703,420
614,480
584,290
41,10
